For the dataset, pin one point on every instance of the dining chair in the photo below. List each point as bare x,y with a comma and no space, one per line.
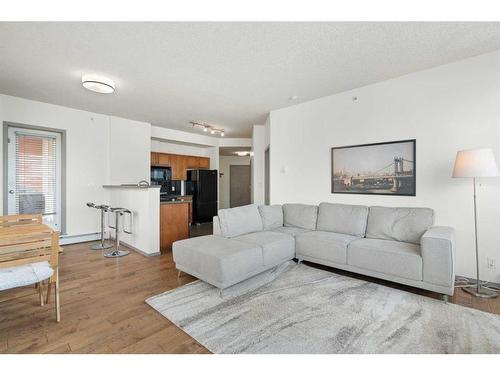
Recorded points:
29,254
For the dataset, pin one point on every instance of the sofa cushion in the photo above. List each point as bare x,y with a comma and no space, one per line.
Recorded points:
327,246
240,220
291,231
217,259
393,258
342,218
276,247
400,224
272,216
300,216
27,274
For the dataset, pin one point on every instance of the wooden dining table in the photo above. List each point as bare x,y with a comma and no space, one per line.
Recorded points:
24,239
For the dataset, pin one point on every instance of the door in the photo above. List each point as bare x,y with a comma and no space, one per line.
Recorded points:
34,174
239,185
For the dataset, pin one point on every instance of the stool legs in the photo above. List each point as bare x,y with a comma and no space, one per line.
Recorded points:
103,245
117,252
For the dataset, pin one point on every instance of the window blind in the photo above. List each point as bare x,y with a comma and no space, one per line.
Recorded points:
36,174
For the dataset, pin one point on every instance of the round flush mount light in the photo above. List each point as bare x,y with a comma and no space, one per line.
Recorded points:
293,98
98,84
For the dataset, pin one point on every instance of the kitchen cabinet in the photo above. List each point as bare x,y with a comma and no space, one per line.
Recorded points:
164,160
204,163
193,162
174,224
154,158
179,163
189,198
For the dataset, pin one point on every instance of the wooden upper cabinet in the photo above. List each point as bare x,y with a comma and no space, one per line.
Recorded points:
164,159
176,168
204,163
193,162
179,163
160,159
154,158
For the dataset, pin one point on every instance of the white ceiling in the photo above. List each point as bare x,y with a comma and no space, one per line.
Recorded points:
228,74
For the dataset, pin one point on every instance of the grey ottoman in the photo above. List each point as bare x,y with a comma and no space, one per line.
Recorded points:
217,260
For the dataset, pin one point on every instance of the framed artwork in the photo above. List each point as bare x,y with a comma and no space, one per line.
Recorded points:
386,168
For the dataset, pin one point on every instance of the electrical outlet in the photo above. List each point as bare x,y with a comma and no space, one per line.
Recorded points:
491,263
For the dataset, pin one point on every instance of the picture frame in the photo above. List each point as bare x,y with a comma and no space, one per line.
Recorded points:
384,168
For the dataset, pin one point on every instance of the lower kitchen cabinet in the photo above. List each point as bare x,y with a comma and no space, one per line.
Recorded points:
174,223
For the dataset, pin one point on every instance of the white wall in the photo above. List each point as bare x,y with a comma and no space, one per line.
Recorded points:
179,149
184,143
129,151
258,167
224,167
98,152
447,108
86,154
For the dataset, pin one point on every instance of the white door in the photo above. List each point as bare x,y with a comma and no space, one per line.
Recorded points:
34,174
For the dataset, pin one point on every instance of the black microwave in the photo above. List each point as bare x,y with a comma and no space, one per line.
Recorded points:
161,175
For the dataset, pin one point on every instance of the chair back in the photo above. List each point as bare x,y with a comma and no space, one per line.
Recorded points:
11,220
25,240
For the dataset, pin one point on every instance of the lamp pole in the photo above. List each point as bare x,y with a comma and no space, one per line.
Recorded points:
477,290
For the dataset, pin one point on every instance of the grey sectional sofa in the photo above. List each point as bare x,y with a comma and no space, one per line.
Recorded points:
396,244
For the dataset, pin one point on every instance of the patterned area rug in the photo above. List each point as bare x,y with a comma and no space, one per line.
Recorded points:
300,309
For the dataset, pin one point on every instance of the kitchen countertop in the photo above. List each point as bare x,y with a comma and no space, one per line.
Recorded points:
132,186
175,202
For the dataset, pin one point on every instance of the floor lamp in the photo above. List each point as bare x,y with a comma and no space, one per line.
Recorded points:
474,164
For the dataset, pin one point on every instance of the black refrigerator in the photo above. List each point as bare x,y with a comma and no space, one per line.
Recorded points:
202,185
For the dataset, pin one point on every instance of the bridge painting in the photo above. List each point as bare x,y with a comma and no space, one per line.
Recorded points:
378,168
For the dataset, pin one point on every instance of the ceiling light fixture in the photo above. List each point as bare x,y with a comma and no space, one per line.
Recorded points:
206,127
98,84
293,97
243,153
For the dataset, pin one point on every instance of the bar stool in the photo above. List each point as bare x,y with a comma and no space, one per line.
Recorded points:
103,245
119,212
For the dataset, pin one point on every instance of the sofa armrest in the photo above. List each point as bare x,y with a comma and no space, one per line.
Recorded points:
216,227
438,256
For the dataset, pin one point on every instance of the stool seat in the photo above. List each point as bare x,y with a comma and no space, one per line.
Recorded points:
119,210
103,208
117,252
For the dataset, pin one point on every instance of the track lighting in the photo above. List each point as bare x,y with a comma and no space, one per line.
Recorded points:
206,127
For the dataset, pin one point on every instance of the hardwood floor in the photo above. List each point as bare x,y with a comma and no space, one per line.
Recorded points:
103,308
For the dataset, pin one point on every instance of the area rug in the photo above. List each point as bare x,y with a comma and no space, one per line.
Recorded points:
296,308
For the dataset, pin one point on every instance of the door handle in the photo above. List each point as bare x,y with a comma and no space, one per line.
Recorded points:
11,191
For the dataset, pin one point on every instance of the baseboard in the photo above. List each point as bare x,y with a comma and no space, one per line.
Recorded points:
68,240
140,251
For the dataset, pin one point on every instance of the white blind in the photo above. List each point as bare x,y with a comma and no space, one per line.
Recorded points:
36,174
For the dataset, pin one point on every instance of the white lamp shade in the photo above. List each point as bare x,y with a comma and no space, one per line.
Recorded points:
475,163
